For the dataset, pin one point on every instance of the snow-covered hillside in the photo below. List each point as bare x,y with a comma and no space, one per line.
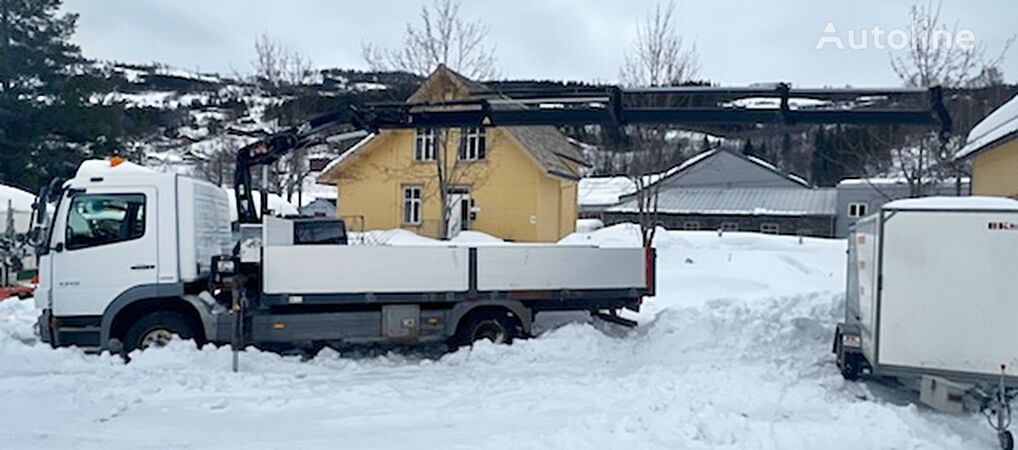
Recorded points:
734,352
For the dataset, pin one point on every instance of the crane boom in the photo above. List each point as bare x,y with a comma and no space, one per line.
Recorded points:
608,106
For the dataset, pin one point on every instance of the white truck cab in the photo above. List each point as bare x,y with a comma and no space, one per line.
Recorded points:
122,234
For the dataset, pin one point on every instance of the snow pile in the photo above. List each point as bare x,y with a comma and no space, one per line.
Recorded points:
1000,123
734,352
588,225
475,238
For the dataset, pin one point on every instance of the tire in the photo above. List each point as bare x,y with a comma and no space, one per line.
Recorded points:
498,326
149,328
1006,440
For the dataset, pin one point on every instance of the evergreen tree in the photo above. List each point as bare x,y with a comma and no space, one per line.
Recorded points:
47,122
705,145
747,148
825,167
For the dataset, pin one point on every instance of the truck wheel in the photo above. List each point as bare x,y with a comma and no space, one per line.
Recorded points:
158,329
496,326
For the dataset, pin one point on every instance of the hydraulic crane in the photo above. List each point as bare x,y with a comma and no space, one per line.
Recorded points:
605,106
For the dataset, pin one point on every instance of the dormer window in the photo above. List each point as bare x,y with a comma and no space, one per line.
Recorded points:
424,144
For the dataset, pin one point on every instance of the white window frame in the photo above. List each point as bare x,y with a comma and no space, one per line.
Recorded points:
858,209
691,225
424,144
412,204
729,226
474,146
770,228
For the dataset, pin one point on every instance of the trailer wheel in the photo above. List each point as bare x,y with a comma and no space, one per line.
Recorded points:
158,329
495,325
1006,440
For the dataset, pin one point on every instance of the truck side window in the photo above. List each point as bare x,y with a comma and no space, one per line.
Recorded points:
100,219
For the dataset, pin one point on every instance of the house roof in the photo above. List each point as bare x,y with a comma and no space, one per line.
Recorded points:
757,201
700,159
549,148
997,128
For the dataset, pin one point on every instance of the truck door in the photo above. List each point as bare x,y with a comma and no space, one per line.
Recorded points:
104,244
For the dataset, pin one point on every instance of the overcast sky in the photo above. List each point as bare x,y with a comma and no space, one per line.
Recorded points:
739,42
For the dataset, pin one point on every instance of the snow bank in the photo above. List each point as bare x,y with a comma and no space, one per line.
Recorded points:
951,203
588,225
475,238
734,352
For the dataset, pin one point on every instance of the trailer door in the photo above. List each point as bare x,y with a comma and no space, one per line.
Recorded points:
104,244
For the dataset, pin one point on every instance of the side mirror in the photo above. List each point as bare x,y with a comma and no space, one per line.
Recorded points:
59,247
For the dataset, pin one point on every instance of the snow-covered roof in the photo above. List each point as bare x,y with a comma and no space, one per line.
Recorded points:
769,201
892,181
1000,124
603,191
103,167
20,200
349,154
955,203
695,160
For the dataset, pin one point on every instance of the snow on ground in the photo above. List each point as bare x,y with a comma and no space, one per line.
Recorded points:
732,353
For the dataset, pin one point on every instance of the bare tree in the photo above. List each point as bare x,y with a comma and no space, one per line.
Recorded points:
933,60
269,62
280,68
658,57
442,37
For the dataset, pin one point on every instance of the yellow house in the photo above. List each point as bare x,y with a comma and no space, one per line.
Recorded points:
992,145
516,183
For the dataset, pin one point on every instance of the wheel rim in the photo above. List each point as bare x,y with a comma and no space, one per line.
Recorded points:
158,337
491,331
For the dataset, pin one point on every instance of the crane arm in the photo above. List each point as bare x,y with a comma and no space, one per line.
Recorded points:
612,106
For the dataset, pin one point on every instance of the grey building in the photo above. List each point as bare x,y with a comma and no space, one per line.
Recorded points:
859,198
722,189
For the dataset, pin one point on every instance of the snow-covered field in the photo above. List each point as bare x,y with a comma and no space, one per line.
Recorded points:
732,353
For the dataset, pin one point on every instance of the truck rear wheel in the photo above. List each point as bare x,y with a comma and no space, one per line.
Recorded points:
497,326
158,329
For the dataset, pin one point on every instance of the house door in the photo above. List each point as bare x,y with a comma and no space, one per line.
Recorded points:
458,206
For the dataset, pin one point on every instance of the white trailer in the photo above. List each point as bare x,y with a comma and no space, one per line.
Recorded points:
135,256
932,299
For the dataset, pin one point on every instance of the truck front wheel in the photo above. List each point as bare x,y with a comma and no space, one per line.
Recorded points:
158,329
497,326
